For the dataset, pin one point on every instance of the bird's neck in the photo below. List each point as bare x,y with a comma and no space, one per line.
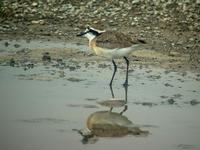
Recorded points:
92,43
98,50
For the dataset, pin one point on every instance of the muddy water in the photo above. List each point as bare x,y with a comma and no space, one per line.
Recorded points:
39,107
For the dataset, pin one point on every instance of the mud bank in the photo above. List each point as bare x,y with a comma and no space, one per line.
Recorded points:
22,52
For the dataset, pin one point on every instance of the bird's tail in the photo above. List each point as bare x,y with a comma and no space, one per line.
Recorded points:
137,47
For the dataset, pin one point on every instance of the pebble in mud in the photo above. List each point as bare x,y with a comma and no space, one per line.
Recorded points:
72,68
102,65
72,79
23,51
168,85
86,64
194,102
177,96
150,104
28,66
91,99
61,74
163,96
6,44
46,57
16,45
59,63
171,101
154,77
12,62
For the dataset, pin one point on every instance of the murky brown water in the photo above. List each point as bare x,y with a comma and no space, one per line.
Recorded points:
40,114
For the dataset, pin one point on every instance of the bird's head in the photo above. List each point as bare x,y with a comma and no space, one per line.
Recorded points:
91,33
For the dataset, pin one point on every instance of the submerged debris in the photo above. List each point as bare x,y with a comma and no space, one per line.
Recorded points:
6,44
12,62
168,85
194,102
28,66
39,77
150,104
16,45
73,79
171,101
46,57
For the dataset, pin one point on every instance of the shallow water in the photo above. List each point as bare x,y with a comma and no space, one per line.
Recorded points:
10,46
40,114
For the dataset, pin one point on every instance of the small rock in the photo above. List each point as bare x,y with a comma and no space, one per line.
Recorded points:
34,4
38,22
6,44
72,79
194,102
46,57
12,62
174,54
168,85
59,61
72,68
86,64
171,101
61,74
177,96
102,65
148,104
163,96
16,45
28,66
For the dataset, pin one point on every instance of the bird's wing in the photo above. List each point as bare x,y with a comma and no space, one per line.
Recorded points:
112,39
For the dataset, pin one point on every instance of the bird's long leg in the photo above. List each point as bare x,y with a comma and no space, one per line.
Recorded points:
112,92
115,69
126,93
127,67
113,95
125,108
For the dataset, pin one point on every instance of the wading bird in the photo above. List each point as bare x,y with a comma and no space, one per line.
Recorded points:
118,46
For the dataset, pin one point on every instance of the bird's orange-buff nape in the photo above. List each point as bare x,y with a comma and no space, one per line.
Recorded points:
98,50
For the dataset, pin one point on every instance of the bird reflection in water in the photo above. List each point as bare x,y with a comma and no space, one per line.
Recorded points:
116,102
108,123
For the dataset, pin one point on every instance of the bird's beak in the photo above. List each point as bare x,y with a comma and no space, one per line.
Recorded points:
82,33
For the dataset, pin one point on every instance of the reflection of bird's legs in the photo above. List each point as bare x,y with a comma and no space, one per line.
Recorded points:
111,89
127,67
115,69
126,91
125,108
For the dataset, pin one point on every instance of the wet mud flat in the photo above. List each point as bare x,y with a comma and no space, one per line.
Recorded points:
41,105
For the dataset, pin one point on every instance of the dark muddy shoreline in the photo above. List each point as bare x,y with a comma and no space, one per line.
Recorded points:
171,28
